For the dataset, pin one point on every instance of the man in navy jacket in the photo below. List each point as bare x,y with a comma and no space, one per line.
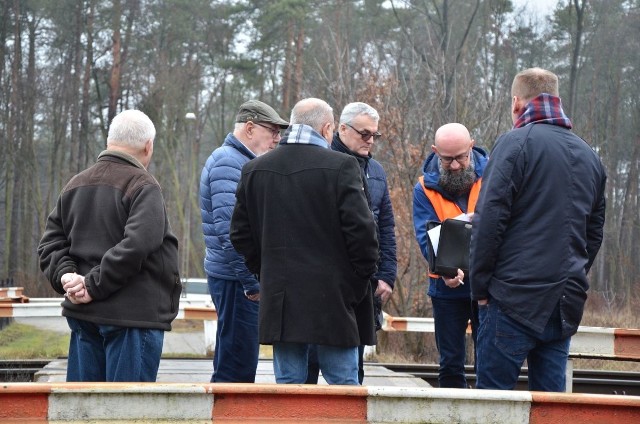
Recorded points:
536,232
356,134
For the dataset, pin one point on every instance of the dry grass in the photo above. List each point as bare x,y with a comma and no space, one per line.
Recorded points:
187,326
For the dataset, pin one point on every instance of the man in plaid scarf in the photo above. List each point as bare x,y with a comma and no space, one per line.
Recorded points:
537,229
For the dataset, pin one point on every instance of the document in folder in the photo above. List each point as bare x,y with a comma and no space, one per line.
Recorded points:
449,245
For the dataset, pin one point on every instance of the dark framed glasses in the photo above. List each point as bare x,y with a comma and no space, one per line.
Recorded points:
274,132
366,135
447,160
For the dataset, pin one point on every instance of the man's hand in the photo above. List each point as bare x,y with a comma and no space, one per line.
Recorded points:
75,290
254,297
456,281
384,291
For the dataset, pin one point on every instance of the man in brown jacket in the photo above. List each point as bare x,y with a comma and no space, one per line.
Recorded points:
109,249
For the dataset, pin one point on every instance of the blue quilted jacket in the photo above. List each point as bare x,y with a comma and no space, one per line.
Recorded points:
218,183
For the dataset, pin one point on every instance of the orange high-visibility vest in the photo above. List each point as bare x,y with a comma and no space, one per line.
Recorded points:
446,208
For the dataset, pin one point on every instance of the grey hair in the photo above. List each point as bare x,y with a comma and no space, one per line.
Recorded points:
352,110
238,126
131,128
313,112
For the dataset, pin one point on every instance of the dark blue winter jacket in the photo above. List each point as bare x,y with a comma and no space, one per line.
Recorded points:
380,205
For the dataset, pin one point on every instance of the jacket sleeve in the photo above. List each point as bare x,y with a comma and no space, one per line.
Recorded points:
595,225
388,265
501,182
53,251
357,222
241,234
423,212
222,191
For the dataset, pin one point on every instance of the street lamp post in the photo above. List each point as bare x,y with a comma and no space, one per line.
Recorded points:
190,119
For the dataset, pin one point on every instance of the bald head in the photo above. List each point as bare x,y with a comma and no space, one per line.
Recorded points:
453,136
315,113
453,145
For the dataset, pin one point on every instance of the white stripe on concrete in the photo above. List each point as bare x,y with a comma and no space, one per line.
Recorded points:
131,402
39,309
594,341
418,405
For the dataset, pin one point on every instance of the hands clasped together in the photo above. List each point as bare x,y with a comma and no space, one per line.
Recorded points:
75,290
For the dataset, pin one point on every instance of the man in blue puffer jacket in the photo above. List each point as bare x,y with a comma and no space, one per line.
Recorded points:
234,290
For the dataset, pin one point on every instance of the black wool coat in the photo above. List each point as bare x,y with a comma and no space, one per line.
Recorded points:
302,222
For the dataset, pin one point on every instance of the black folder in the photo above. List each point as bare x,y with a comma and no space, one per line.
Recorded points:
453,247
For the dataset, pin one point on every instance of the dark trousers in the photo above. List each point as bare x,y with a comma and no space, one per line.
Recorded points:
451,318
235,359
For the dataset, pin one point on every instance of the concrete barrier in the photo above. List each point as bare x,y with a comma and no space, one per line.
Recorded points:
152,402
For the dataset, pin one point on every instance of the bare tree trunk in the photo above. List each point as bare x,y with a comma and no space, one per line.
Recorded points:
31,195
580,6
114,81
83,152
74,150
297,88
13,138
286,80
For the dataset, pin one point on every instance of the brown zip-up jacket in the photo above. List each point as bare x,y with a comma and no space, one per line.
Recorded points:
110,225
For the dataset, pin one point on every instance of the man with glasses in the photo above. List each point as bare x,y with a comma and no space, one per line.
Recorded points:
356,134
449,187
234,289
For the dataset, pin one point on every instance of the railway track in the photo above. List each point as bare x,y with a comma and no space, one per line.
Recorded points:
584,381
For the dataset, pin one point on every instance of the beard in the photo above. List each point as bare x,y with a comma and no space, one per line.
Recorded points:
457,182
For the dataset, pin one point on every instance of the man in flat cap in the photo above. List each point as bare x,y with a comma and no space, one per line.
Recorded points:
234,289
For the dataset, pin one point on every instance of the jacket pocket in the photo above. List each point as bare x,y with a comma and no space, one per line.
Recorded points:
175,293
271,318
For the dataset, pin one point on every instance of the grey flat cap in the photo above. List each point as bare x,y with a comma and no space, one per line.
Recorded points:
256,111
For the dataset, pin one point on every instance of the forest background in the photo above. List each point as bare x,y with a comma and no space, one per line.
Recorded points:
68,66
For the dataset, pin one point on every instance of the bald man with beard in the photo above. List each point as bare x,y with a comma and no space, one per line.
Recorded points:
449,187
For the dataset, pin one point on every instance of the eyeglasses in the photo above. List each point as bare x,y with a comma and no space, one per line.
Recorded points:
447,160
275,133
366,134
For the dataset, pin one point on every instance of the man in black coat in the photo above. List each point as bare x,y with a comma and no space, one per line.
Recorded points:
302,222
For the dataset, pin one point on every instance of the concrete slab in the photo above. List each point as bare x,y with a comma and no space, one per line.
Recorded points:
199,371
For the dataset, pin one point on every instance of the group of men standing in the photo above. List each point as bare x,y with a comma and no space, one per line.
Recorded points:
301,248
316,228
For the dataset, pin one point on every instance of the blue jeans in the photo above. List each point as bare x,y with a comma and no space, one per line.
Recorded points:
451,318
339,365
235,359
112,353
504,344
313,369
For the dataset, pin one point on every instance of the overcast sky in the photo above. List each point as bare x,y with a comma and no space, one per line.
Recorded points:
543,7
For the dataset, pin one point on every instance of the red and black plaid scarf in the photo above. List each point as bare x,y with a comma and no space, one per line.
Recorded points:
545,109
